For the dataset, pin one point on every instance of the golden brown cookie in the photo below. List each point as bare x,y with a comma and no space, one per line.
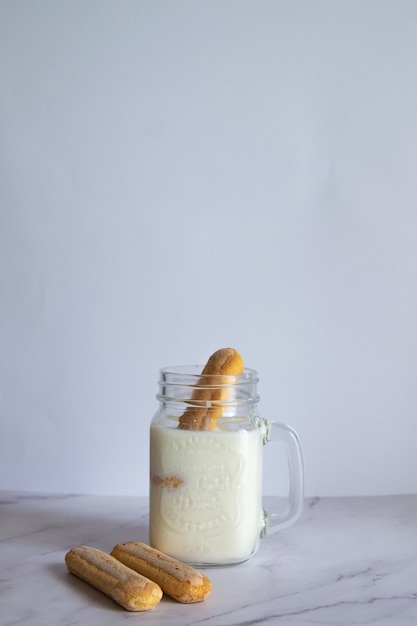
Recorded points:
178,580
224,361
212,388
130,589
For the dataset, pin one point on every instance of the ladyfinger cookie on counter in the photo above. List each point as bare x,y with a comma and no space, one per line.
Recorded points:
131,590
224,362
178,580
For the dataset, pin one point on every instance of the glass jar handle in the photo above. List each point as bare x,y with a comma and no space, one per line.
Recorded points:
277,431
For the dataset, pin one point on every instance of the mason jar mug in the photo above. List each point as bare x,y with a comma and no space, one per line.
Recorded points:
206,462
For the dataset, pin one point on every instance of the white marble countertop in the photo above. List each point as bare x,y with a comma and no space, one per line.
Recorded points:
347,561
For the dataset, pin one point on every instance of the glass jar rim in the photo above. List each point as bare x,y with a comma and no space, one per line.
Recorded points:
176,373
178,384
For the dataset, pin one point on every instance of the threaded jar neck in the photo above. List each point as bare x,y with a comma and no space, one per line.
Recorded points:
186,384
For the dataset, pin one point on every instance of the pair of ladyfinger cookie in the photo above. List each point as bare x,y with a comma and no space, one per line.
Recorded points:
136,575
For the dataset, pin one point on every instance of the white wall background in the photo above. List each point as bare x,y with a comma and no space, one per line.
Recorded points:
177,176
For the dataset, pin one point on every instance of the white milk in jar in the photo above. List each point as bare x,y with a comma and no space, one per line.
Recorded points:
205,494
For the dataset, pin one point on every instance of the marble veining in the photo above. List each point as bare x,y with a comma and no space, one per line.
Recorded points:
347,561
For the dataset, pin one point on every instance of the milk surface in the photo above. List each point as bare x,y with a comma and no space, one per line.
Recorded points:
205,494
